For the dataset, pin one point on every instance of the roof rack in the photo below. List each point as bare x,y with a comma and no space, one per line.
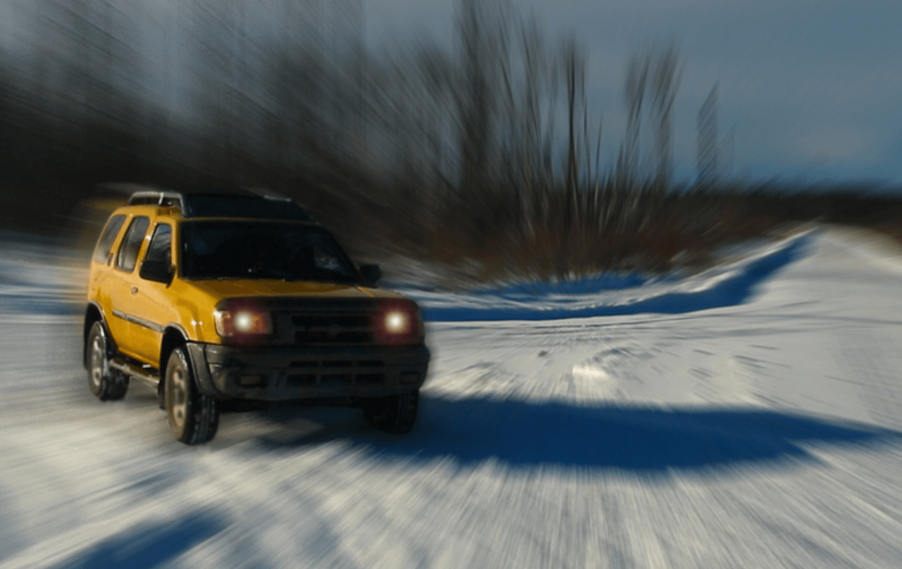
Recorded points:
223,203
160,198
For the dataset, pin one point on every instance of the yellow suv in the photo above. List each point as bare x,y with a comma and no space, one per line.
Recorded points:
229,300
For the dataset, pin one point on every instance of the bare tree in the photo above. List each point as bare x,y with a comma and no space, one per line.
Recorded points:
535,70
574,70
666,76
708,147
634,95
477,99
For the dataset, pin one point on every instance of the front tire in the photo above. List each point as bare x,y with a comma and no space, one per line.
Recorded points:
105,383
193,417
394,414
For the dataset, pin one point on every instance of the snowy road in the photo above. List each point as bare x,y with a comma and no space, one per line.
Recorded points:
749,419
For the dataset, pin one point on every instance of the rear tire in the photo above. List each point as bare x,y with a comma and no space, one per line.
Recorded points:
394,414
193,417
105,383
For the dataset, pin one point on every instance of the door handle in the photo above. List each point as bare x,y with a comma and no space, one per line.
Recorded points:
134,290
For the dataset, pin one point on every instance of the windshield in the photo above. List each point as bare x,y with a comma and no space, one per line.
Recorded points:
262,250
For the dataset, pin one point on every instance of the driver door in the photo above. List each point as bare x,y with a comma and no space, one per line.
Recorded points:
122,285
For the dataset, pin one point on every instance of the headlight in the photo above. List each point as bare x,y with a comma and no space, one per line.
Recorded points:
231,322
399,322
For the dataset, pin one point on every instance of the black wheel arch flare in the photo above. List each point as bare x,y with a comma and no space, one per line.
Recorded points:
93,313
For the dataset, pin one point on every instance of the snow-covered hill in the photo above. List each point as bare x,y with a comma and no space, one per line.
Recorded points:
747,417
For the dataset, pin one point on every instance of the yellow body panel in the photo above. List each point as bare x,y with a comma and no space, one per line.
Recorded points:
138,311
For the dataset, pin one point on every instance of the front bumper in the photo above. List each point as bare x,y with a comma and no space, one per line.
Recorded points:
289,373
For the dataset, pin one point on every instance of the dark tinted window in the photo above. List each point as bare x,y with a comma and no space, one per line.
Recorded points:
159,248
131,244
107,238
262,250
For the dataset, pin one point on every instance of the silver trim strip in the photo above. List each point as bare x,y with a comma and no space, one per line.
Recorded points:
139,321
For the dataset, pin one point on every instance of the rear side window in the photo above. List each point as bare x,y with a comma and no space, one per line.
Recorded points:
131,244
107,238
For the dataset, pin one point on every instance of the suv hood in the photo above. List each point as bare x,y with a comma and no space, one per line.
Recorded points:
229,288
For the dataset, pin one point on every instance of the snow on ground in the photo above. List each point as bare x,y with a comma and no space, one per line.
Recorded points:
38,276
610,295
748,417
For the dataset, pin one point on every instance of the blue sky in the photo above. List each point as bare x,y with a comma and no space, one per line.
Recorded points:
813,88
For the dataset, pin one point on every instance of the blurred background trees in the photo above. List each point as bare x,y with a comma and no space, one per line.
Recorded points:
484,152
283,94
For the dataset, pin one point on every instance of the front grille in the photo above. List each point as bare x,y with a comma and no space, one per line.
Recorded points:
326,372
332,328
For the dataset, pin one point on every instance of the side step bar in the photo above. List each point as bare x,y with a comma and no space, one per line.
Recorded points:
135,372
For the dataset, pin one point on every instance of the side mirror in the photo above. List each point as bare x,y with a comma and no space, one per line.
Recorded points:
157,271
370,273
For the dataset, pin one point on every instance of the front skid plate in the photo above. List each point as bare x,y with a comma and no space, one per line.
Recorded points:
296,373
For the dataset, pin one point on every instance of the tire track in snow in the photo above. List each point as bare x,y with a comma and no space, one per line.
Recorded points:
12,534
865,356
